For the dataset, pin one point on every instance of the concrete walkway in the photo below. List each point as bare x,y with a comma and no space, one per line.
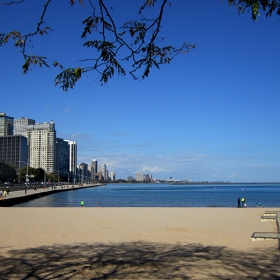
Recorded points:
20,196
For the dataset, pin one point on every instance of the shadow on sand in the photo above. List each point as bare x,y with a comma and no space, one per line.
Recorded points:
138,261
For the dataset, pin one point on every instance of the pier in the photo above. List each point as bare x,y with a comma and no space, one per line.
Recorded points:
20,196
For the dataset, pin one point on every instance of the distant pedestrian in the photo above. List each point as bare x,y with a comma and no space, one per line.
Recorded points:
98,203
243,202
25,190
82,203
5,193
259,205
238,203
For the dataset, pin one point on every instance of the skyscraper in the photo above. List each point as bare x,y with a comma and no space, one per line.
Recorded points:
112,176
42,146
72,159
102,169
139,176
6,125
93,169
62,157
20,126
13,150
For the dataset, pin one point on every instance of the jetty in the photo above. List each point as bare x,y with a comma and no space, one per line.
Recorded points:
20,196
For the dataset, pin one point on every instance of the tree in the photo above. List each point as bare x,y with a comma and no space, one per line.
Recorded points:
111,44
254,7
135,45
7,172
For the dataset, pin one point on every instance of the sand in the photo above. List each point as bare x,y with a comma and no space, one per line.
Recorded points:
136,243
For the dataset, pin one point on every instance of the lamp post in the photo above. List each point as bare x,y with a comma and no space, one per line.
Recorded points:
26,179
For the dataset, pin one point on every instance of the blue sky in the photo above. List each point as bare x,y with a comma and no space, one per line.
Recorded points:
212,114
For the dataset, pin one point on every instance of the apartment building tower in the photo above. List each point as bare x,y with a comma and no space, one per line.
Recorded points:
103,171
6,125
62,157
93,169
42,146
20,126
72,160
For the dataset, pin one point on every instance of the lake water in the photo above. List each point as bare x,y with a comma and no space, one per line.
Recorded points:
163,195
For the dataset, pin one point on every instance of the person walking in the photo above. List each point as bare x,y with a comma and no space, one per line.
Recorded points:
238,203
82,203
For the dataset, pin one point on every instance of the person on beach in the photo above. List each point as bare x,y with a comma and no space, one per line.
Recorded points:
243,202
238,203
82,203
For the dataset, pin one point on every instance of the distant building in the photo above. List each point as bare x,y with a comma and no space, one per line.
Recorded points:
73,148
62,157
83,172
20,126
6,125
130,178
42,146
148,177
14,150
139,176
112,176
93,169
99,176
102,169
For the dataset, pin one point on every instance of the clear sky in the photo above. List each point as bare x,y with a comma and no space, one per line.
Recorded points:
213,114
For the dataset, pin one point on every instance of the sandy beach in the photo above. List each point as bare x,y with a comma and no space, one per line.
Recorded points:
136,243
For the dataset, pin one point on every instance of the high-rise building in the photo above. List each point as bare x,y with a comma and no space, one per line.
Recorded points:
112,176
62,157
72,160
139,176
6,125
14,150
93,169
20,126
42,146
102,169
83,172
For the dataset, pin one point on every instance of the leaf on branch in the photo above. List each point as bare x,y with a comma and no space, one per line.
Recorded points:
45,30
68,77
56,64
72,2
90,24
16,36
34,60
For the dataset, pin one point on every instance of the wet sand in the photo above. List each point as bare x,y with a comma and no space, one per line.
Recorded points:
136,243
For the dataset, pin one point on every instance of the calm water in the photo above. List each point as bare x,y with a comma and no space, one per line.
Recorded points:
163,195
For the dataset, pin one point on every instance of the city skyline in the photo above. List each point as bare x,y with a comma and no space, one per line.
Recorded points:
211,115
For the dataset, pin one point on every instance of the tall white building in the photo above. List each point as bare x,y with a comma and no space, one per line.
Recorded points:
42,146
72,158
93,169
20,126
102,169
112,176
139,176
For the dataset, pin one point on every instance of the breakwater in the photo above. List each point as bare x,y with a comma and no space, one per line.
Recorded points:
16,197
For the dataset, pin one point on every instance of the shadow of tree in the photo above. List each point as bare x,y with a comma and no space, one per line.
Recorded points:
138,260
